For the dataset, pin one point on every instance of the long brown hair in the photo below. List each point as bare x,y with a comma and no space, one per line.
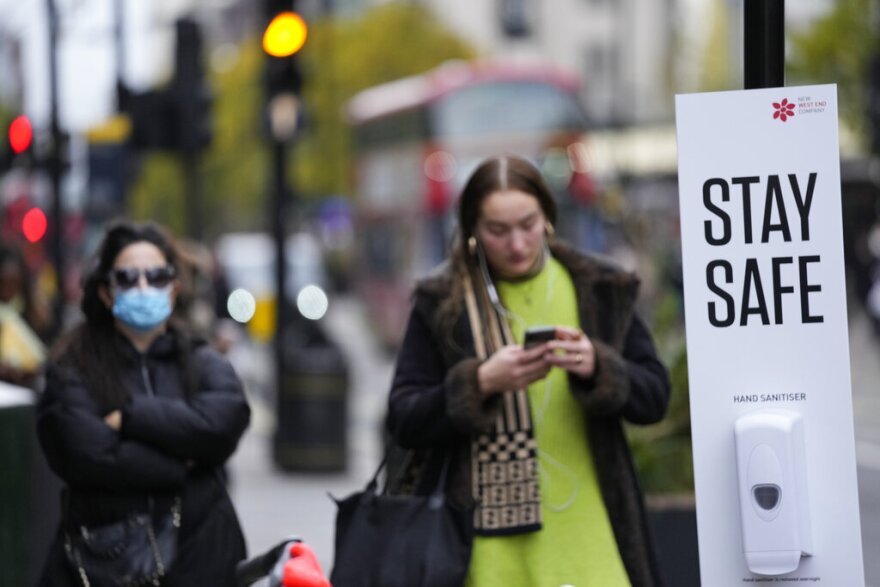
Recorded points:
500,173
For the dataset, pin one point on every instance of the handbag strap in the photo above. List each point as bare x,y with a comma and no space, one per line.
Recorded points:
439,490
438,496
175,509
374,481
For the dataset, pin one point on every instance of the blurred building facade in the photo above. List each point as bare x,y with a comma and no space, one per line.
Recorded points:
622,49
630,54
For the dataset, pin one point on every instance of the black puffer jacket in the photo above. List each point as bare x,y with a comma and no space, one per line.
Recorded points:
168,445
435,402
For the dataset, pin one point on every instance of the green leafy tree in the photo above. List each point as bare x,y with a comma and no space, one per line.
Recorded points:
662,452
341,58
5,117
715,72
837,48
232,171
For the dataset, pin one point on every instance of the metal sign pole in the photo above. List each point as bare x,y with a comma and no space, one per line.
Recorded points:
764,44
56,226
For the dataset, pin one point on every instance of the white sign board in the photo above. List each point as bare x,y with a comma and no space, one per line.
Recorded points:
768,352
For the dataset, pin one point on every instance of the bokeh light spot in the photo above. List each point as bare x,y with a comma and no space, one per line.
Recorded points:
33,225
285,35
21,135
241,305
440,166
312,302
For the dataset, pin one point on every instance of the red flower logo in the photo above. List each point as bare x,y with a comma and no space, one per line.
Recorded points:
783,110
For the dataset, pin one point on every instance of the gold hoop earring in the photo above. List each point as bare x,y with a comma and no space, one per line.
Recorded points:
472,245
551,232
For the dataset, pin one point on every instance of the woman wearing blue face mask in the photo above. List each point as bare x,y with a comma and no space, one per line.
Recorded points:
138,418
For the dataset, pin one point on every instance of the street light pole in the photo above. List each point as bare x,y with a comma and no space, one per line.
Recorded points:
122,93
56,224
283,37
278,207
764,44
189,89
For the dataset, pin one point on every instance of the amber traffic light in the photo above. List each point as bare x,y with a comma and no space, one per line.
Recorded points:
285,35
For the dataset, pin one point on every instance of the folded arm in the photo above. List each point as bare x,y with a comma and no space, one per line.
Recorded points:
85,452
206,427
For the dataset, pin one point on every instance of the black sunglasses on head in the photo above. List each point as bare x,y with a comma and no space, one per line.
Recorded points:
128,277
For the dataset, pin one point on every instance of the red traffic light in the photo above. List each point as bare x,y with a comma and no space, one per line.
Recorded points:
33,225
21,134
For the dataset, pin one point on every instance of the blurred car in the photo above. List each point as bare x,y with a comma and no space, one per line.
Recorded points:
248,262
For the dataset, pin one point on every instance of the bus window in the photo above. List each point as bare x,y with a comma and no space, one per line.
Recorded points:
404,126
506,108
416,142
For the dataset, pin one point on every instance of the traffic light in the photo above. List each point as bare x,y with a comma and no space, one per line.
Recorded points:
34,224
19,142
177,117
192,94
153,120
284,35
21,134
874,103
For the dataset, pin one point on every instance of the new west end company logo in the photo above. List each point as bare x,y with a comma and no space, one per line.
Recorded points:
783,110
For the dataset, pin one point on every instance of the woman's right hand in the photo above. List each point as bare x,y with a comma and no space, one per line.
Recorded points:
114,420
512,367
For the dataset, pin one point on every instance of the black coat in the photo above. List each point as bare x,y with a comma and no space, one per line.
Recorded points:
435,400
168,445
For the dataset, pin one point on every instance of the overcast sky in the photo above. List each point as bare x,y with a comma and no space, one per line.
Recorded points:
87,54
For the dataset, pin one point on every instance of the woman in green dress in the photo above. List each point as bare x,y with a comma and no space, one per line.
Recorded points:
534,432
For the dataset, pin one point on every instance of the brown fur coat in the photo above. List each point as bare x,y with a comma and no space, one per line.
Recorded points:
435,405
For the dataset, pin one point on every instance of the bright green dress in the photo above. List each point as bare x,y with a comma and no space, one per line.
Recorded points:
576,545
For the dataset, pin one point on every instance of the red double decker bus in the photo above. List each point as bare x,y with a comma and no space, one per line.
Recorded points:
417,140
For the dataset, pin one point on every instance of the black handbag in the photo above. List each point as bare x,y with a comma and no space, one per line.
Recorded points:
135,551
385,540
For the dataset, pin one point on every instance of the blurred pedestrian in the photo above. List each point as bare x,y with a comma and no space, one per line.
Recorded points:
535,433
204,296
137,416
23,319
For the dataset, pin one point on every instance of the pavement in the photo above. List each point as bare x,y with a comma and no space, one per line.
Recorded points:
273,504
865,368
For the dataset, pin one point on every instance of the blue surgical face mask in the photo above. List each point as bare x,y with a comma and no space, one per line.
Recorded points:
142,309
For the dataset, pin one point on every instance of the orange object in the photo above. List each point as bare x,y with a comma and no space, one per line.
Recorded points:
302,569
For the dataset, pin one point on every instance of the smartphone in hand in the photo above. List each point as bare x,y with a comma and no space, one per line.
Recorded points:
538,334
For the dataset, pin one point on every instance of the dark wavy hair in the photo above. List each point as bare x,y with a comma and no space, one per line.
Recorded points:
119,235
93,348
500,173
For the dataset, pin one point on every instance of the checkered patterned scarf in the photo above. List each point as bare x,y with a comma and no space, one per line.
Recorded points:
504,462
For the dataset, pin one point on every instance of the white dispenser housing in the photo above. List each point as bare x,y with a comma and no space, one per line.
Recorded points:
773,499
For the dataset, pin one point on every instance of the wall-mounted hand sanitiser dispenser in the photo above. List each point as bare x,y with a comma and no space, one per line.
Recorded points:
773,500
